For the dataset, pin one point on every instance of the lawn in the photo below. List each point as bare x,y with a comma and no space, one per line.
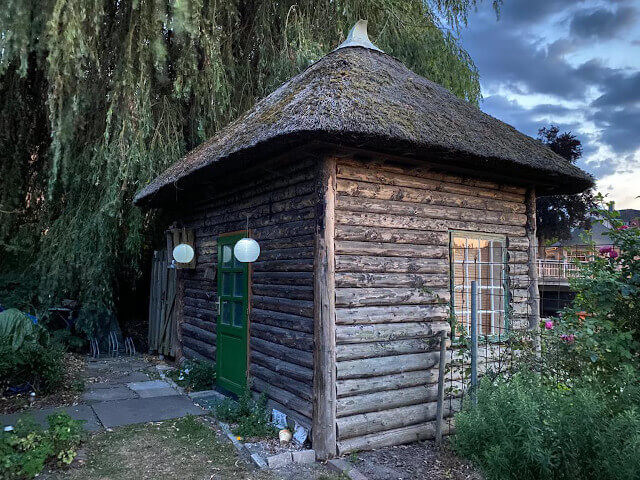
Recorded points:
187,448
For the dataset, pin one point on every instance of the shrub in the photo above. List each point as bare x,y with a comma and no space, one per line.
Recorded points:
38,364
24,452
195,375
522,428
250,417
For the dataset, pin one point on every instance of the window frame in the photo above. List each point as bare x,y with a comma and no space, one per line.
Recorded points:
455,324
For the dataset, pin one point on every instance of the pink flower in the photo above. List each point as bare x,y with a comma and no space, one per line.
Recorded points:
622,227
568,338
606,249
613,254
548,325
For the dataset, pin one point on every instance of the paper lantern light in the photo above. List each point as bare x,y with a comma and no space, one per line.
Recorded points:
183,253
246,250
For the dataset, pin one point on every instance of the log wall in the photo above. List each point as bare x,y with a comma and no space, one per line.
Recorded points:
281,202
392,283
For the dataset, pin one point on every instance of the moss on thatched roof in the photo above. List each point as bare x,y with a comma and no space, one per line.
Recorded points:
367,99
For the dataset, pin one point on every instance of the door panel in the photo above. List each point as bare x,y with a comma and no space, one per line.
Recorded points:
233,292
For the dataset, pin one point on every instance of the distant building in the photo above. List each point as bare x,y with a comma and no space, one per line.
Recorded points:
557,262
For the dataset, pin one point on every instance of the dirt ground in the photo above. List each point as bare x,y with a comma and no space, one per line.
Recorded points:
68,394
414,461
185,449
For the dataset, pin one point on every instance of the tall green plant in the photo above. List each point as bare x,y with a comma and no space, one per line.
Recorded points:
97,97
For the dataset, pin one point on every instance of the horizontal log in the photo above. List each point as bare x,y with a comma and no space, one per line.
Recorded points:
390,235
203,348
283,231
420,195
410,179
283,397
353,351
291,414
208,315
305,252
421,223
189,330
290,338
410,209
389,331
209,325
348,247
274,379
288,369
398,436
352,279
372,367
517,243
518,269
518,257
427,171
374,402
297,265
287,242
293,292
260,217
199,294
367,423
352,297
362,263
359,386
394,313
282,352
296,307
283,278
284,320
193,355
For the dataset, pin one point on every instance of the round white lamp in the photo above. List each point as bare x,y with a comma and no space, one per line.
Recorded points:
183,253
246,250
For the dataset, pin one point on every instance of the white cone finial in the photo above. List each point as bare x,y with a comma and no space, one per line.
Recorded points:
358,37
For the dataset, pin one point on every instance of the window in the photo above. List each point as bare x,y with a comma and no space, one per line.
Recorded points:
479,257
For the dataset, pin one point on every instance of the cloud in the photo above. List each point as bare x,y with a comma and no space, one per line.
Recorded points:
602,23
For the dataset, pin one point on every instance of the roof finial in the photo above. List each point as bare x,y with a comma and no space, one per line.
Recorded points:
358,37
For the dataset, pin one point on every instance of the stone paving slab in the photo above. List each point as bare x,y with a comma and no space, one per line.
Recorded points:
119,379
142,410
101,394
152,388
77,412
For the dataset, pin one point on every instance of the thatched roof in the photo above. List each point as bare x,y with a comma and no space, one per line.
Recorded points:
359,97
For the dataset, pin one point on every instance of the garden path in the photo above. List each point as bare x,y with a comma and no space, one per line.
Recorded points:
120,391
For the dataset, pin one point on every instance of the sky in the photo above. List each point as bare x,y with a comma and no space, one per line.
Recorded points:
573,63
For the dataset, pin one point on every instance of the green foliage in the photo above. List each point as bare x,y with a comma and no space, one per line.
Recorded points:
15,327
38,363
24,452
250,418
558,215
97,98
523,428
572,409
608,287
195,375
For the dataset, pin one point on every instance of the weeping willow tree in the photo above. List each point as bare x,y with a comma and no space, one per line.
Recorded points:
97,97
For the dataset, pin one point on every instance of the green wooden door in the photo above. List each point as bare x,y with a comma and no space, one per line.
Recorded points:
233,298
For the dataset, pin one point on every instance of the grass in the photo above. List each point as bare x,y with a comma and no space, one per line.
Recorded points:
187,448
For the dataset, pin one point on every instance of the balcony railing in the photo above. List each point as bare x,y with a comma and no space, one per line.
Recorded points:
556,269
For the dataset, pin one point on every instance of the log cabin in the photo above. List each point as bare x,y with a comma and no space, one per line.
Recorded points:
369,189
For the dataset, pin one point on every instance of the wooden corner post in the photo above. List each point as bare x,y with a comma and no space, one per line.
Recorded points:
534,293
324,357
